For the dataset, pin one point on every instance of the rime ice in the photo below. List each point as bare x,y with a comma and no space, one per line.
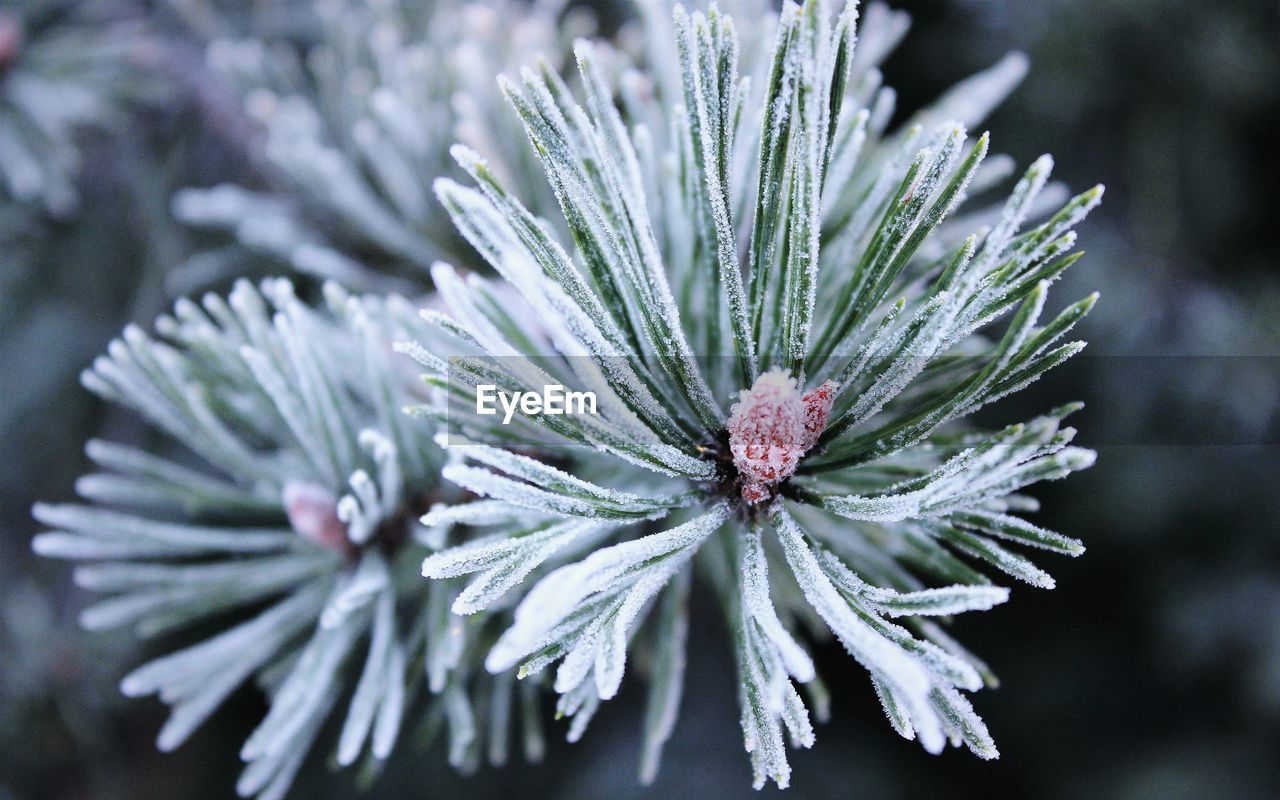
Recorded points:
772,426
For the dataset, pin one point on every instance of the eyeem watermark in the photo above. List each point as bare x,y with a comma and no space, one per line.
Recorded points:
554,400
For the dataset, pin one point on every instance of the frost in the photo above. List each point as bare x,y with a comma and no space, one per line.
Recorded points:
607,573
730,199
283,408
480,512
889,664
758,604
504,561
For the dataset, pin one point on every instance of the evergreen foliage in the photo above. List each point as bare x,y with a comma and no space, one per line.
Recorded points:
64,69
355,125
780,227
281,535
788,306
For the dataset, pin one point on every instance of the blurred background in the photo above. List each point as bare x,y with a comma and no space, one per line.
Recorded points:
1152,671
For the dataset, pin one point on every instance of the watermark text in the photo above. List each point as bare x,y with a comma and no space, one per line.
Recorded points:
554,399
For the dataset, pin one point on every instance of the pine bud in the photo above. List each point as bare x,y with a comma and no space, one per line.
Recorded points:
772,426
313,513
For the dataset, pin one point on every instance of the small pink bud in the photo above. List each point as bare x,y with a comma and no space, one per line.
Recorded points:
766,428
772,426
754,492
10,39
313,513
817,407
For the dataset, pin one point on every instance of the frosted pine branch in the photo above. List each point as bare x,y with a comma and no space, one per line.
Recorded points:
788,311
64,70
771,242
285,522
349,160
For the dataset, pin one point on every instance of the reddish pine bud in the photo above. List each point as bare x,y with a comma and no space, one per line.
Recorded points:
313,513
772,426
